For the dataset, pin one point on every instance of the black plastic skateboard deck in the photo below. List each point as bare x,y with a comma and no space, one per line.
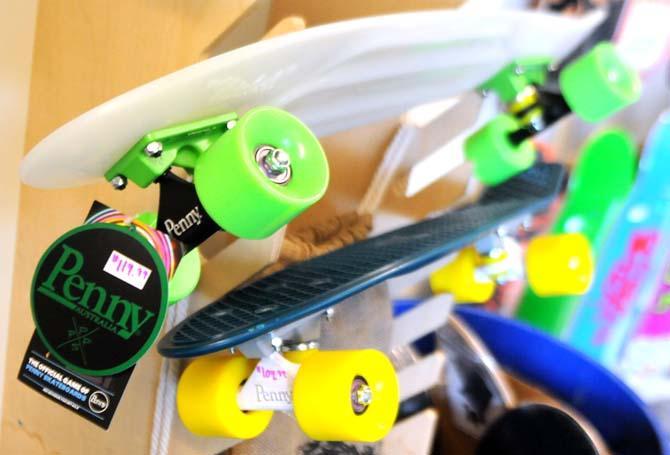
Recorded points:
312,286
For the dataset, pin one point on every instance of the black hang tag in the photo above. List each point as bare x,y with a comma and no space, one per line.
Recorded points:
94,398
99,298
180,213
95,209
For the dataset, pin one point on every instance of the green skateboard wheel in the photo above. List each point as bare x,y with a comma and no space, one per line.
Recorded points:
599,83
494,157
261,174
187,274
185,277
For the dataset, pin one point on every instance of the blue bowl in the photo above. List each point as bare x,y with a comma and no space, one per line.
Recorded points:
612,407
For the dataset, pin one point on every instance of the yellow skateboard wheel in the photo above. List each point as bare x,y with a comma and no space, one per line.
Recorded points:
559,264
207,399
459,278
346,395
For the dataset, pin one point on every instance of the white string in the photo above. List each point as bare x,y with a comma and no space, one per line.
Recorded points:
167,386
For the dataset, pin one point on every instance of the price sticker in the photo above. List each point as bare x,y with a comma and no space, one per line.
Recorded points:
127,270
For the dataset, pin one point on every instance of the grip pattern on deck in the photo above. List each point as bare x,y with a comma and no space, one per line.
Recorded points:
317,284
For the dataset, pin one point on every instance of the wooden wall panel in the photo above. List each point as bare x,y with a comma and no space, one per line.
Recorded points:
87,51
17,32
320,12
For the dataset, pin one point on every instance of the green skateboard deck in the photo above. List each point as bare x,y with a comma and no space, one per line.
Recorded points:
602,178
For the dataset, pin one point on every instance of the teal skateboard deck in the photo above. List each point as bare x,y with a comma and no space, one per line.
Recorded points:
307,288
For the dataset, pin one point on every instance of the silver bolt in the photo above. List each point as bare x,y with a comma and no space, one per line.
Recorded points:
276,343
518,70
330,312
119,182
154,149
361,395
364,395
275,163
278,161
231,124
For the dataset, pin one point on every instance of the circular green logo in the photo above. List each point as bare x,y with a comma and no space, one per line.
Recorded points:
99,297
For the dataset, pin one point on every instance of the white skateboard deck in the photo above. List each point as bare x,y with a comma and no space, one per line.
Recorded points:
333,77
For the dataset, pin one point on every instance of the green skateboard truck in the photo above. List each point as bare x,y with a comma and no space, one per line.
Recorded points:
593,86
248,176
